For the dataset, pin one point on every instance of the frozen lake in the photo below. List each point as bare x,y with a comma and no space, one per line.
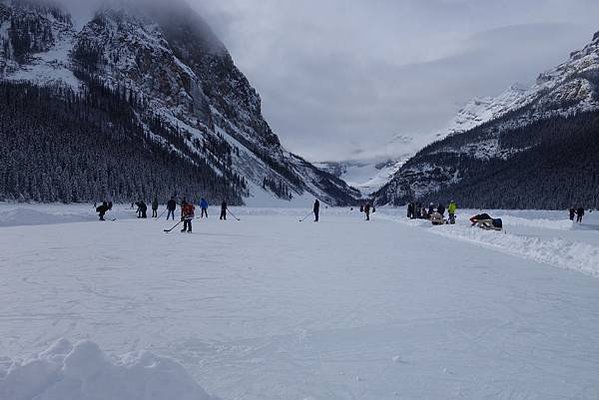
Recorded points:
270,308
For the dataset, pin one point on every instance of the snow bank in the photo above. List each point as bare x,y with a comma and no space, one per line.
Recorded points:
547,249
542,223
557,252
84,372
22,214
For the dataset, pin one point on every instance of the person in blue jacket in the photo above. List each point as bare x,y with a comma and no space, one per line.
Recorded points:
204,207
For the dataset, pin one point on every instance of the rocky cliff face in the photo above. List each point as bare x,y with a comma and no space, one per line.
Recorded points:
175,73
490,136
28,28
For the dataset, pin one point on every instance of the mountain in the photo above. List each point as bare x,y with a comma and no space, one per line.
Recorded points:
365,175
154,83
372,169
528,148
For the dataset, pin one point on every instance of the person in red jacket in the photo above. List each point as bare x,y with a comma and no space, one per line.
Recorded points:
187,215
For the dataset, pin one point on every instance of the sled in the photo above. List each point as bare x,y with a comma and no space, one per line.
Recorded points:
437,219
490,224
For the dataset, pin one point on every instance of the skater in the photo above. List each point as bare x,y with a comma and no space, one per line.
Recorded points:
580,214
423,212
204,206
316,210
171,206
367,209
418,210
431,210
223,211
103,209
451,209
142,209
187,215
572,214
155,208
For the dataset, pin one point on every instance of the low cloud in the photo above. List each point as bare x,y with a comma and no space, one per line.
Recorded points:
340,78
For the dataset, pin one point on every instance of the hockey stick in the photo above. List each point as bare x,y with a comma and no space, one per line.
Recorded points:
306,217
173,228
160,216
229,211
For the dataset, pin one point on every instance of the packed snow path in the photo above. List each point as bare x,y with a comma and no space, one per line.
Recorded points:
268,308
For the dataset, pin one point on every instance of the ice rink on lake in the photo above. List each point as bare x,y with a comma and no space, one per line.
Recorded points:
270,308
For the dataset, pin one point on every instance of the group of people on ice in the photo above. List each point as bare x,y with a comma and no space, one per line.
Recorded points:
434,213
171,207
577,213
187,210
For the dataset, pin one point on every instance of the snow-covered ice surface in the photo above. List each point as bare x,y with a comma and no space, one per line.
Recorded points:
270,308
15,214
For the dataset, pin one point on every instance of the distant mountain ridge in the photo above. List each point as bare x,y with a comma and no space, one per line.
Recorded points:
181,87
533,147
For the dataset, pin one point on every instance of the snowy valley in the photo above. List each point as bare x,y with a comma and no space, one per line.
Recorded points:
291,294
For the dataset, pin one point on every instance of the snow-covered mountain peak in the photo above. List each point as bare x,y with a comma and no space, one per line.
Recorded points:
180,81
568,81
483,109
519,124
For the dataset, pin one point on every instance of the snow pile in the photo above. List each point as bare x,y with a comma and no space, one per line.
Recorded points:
84,372
530,238
23,214
577,256
20,216
542,223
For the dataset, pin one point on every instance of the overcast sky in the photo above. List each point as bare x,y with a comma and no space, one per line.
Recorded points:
340,78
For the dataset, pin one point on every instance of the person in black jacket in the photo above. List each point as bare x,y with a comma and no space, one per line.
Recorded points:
580,213
367,209
155,208
171,206
102,210
572,213
223,211
316,210
411,210
142,209
441,209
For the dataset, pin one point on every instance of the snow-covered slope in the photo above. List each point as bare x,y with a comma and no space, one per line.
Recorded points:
500,139
481,110
366,175
35,42
177,75
371,170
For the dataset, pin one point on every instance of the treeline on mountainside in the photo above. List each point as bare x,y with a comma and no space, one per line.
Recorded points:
556,167
278,187
67,147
